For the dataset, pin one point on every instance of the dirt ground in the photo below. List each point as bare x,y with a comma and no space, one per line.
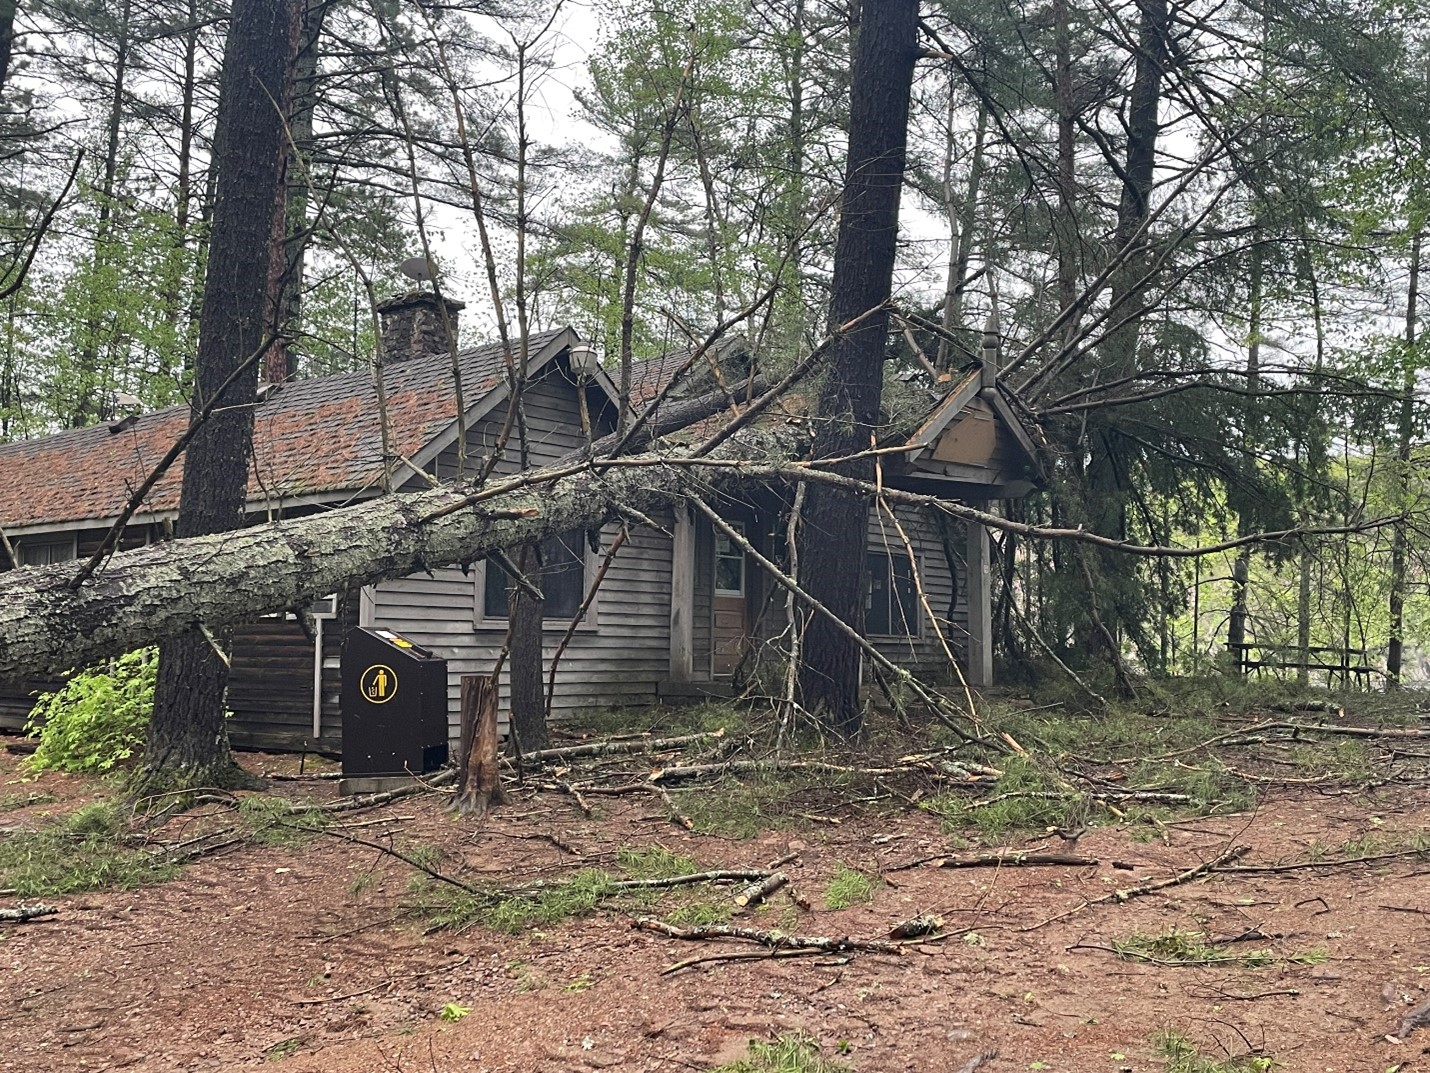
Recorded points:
303,957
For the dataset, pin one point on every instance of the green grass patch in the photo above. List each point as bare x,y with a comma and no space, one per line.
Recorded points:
1347,760
698,911
1177,947
706,717
446,907
272,821
750,805
283,1049
1182,1056
788,1054
849,887
1028,798
88,850
11,802
654,862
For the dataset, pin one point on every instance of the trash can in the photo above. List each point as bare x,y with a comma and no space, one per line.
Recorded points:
394,707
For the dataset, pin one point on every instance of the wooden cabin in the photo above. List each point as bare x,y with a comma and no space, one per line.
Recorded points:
680,612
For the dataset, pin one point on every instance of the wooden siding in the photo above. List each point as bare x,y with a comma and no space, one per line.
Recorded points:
17,697
617,661
923,654
270,684
703,620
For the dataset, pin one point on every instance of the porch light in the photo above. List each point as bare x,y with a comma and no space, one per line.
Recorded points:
584,360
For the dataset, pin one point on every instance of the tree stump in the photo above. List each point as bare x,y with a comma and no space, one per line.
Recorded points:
479,781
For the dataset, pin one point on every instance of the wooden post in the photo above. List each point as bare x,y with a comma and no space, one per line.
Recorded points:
682,597
980,604
479,779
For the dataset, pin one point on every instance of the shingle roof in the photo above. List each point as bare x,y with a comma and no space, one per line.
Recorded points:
310,437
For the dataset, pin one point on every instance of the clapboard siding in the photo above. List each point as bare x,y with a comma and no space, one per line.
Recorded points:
923,653
17,696
703,619
623,649
270,682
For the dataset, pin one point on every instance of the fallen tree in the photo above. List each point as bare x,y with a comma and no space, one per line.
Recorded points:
141,596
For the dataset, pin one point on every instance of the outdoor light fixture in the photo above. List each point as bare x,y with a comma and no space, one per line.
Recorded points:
584,360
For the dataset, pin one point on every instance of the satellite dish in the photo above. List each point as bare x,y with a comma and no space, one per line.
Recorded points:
418,268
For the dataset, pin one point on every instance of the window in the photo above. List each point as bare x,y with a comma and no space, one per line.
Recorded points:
46,553
559,572
892,606
729,564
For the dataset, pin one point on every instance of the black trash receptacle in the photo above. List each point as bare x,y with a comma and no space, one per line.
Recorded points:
394,706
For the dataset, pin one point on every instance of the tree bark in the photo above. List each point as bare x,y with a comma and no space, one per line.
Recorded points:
528,694
835,533
8,10
187,742
142,596
295,193
479,782
1105,483
1400,539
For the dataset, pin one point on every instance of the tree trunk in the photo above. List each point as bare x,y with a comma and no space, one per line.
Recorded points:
1400,539
188,743
1105,484
528,693
142,596
1066,233
835,533
8,10
88,406
1241,572
295,209
479,781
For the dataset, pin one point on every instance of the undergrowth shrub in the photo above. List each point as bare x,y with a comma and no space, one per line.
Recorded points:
96,721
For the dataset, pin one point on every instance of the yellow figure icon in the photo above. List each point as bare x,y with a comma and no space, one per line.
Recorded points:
378,684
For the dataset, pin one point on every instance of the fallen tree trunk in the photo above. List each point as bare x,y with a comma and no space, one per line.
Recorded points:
141,596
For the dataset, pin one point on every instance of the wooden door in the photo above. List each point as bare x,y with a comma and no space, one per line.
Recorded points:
732,621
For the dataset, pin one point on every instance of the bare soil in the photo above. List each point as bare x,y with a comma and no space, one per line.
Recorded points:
304,958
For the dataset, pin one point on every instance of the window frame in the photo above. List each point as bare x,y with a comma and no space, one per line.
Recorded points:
889,555
588,623
46,540
744,588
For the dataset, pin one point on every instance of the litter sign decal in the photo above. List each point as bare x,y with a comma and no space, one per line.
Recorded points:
378,684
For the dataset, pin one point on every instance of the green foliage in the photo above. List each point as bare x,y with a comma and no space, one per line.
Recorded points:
272,821
282,1049
97,720
1176,947
1182,1056
741,808
453,1012
86,851
654,862
788,1054
448,908
699,911
849,887
10,802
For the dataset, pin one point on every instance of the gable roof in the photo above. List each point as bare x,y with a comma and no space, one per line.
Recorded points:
315,439
968,402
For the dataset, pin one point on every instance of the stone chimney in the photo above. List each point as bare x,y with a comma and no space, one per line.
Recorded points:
412,326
